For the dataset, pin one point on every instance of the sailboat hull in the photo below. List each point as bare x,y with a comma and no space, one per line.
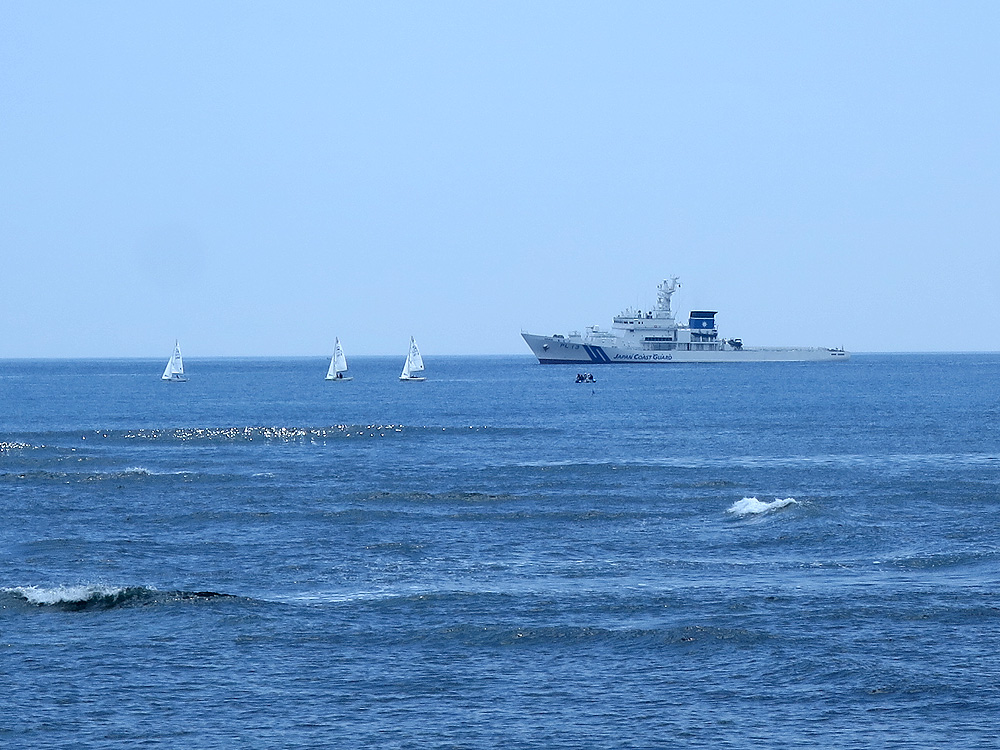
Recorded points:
334,379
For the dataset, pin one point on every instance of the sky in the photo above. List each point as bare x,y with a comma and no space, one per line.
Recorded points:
258,178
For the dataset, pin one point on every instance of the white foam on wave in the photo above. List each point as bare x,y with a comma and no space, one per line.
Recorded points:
752,506
64,594
142,471
6,445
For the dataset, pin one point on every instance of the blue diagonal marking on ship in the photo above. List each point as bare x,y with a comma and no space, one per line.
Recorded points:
596,354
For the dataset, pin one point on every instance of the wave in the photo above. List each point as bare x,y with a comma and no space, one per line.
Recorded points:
752,506
13,445
100,596
132,472
142,471
892,462
252,433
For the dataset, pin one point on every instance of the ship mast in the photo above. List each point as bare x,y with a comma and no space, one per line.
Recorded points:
663,293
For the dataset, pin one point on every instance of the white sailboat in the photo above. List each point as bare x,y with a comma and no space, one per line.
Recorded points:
174,371
338,364
414,367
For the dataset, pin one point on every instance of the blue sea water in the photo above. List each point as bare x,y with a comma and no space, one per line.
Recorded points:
694,556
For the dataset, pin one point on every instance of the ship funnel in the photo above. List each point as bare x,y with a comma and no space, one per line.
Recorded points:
702,325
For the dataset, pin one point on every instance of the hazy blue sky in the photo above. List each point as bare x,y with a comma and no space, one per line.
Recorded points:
258,178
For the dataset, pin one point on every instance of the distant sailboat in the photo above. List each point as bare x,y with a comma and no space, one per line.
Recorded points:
338,364
414,367
174,371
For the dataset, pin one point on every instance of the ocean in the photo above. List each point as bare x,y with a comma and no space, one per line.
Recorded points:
765,555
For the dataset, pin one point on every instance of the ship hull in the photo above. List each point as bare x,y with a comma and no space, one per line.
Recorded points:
552,350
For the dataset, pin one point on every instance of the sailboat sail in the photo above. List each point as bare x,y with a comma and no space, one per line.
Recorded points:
338,364
414,366
175,366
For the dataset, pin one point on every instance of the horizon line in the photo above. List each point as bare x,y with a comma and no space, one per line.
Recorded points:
395,356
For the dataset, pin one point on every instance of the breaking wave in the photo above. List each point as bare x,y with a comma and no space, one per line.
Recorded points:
130,473
251,433
7,446
99,596
752,506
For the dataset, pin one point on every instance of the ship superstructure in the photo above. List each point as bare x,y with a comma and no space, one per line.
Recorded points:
655,336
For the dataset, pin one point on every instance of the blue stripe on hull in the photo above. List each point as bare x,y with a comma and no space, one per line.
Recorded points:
595,356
